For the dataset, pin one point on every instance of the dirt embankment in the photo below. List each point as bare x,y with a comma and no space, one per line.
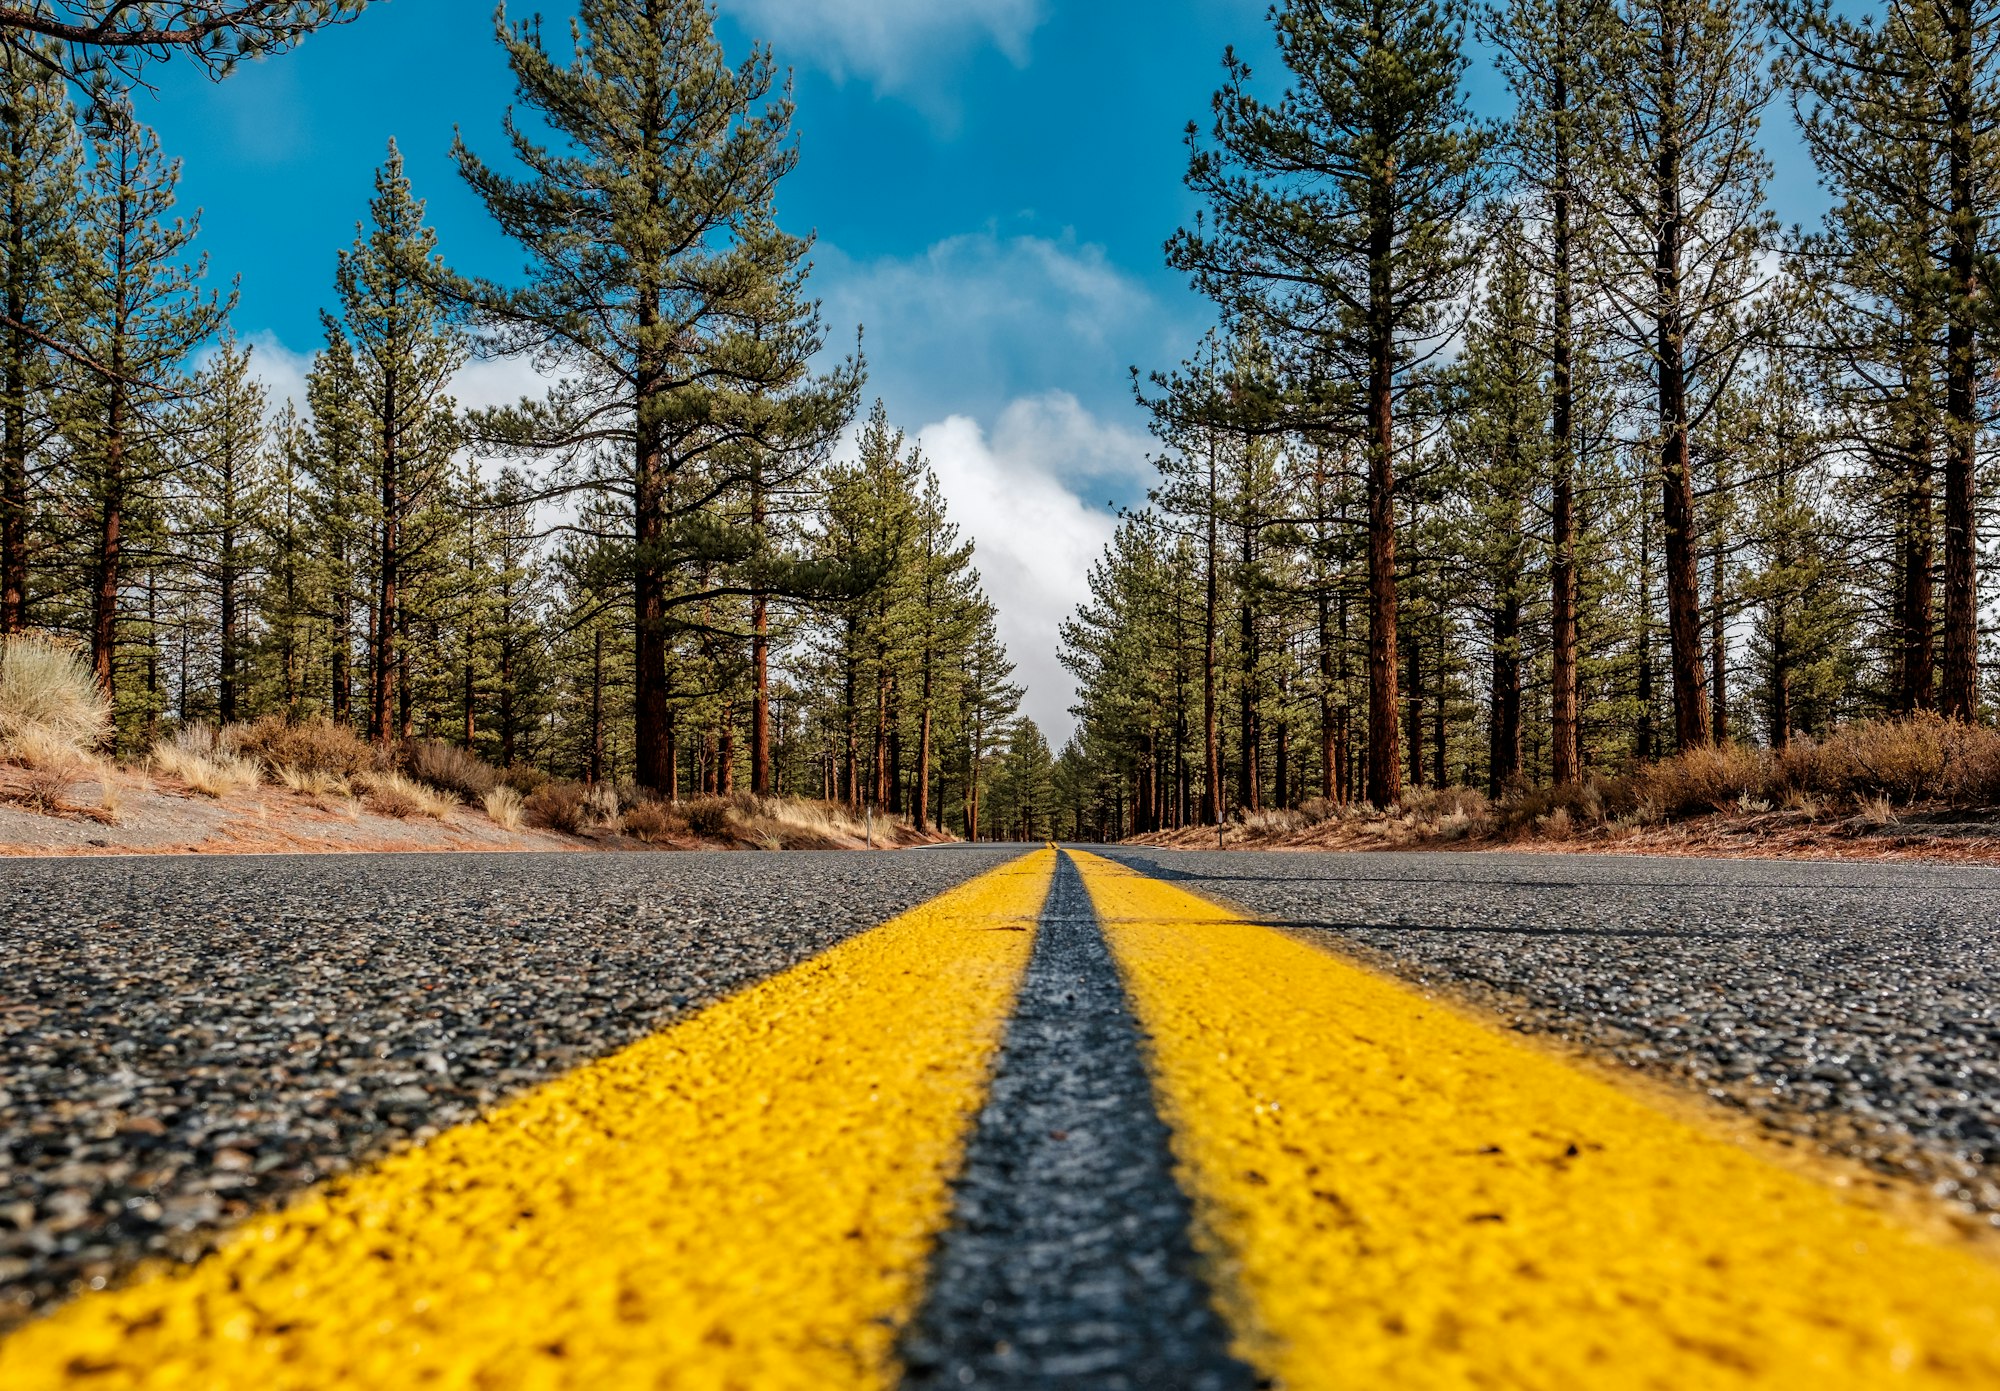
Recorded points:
1939,834
122,812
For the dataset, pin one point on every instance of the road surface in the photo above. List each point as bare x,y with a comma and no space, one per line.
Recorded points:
997,1117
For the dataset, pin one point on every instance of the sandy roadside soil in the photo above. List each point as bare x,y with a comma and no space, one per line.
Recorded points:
142,814
1944,838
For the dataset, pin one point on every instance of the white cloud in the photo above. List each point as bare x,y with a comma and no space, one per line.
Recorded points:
1011,491
893,43
978,320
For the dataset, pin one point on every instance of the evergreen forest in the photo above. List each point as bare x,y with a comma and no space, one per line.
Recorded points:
1528,451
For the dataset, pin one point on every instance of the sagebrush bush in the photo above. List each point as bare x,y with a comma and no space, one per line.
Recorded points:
47,692
708,817
560,806
449,768
652,822
525,779
304,746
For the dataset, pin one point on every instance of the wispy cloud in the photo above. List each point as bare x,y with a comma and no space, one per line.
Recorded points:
978,320
898,45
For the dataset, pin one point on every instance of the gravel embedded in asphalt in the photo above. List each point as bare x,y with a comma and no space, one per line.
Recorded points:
1857,1004
183,1041
1068,1261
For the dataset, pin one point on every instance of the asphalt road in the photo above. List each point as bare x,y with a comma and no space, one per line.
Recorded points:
185,1040
1103,1134
1858,1004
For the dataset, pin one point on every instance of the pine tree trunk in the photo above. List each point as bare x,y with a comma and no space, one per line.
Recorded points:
923,807
1691,727
110,538
1417,697
382,674
1248,792
1440,743
760,652
1564,696
14,458
1504,760
1917,668
1211,792
1959,687
1384,774
226,635
1645,742
597,706
1781,681
1718,647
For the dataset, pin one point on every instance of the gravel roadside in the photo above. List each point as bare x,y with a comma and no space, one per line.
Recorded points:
184,1041
1858,1005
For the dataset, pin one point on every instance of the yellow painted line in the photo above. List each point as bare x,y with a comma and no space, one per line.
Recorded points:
745,1199
1391,1194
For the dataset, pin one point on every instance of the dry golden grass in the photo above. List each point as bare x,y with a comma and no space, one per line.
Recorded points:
47,688
400,798
503,808
318,784
200,759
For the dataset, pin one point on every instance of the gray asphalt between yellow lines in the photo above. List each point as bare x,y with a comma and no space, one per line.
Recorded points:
1068,1262
183,1041
1858,1004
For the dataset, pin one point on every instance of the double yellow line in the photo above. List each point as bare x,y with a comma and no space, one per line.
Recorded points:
1386,1192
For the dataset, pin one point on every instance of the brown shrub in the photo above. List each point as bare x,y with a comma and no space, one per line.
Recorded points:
319,749
524,779
560,806
449,768
708,817
652,822
1706,779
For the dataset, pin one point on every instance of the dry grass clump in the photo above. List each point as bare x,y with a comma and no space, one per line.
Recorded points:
449,768
199,757
652,822
318,747
313,783
51,716
503,808
560,806
47,693
400,798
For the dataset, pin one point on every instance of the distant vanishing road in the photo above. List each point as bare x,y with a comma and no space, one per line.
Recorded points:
998,1116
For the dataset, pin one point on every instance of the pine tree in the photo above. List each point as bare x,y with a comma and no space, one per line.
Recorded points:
400,350
107,42
1686,224
145,314
40,183
655,265
1551,53
223,490
1338,215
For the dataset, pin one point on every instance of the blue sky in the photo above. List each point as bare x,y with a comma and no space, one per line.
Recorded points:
990,181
